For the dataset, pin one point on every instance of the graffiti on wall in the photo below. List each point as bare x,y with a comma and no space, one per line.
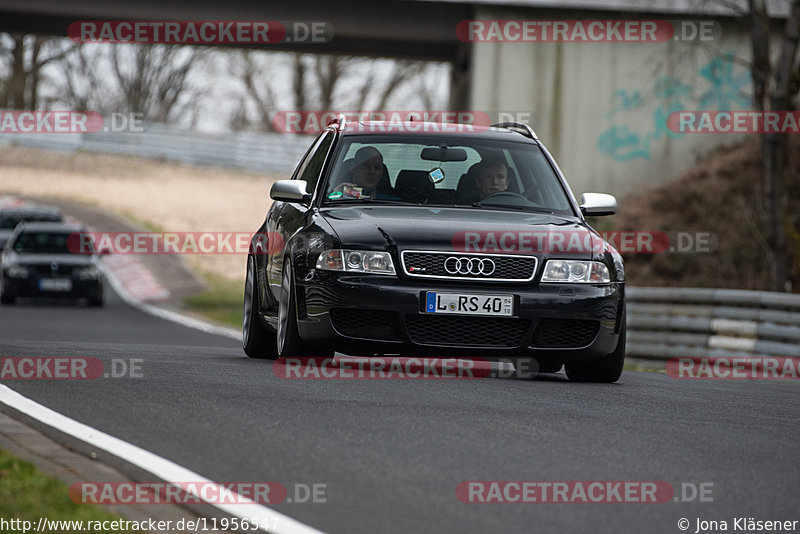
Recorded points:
726,86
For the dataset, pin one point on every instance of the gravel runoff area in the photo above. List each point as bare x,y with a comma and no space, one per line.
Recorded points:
172,196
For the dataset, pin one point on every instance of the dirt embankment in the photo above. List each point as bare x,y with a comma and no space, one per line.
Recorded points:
171,196
724,195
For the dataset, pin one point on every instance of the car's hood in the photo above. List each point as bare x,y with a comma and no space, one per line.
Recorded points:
460,229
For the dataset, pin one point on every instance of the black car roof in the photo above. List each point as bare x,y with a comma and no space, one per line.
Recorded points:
50,227
404,129
30,210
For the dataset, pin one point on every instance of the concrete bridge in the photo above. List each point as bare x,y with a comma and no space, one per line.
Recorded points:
601,107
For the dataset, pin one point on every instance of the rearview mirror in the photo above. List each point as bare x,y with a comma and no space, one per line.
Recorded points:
598,204
444,154
290,191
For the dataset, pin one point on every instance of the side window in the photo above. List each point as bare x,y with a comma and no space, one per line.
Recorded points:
311,168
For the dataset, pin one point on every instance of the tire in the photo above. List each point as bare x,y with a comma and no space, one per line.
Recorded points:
289,344
256,341
6,299
96,301
606,370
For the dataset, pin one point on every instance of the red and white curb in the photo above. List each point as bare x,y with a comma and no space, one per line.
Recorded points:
137,280
10,201
131,281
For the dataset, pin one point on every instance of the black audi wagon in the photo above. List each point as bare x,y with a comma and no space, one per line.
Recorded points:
435,240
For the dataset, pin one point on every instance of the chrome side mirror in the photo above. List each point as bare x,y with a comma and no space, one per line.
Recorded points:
597,204
290,191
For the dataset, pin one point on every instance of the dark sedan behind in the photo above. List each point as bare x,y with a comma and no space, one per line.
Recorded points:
38,261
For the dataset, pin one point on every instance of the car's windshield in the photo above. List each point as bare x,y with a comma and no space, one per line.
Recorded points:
35,242
8,221
440,171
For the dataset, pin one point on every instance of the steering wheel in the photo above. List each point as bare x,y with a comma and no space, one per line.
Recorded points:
504,194
510,198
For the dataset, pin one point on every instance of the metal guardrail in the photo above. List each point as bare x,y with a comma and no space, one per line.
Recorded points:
668,323
267,152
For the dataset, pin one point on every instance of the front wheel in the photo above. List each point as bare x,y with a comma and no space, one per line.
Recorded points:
608,369
256,341
289,343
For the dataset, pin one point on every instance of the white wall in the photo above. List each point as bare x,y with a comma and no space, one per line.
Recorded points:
595,105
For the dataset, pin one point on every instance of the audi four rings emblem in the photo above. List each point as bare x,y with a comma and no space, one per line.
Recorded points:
474,266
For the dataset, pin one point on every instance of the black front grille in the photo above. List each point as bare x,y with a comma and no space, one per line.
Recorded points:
366,324
470,331
506,267
565,333
48,269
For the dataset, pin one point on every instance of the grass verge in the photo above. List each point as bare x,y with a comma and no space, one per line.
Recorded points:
27,494
222,302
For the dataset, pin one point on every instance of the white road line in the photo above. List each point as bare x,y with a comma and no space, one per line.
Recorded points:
175,317
152,463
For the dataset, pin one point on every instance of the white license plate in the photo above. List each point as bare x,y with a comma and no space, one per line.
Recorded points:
468,304
55,284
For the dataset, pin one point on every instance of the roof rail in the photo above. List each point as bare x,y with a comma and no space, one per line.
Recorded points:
340,120
527,131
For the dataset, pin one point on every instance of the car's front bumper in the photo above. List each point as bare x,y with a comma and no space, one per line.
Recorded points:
29,288
371,314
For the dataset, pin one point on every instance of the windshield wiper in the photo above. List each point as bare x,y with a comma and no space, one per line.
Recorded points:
506,206
369,200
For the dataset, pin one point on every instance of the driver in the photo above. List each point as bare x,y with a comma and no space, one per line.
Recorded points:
366,174
492,177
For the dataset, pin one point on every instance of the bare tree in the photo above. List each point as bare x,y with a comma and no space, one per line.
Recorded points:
25,57
403,71
80,85
153,80
299,83
774,87
321,82
246,67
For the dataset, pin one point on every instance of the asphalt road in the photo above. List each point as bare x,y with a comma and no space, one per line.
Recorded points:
392,452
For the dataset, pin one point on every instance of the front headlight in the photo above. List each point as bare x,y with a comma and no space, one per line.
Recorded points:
580,272
16,271
357,261
88,273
